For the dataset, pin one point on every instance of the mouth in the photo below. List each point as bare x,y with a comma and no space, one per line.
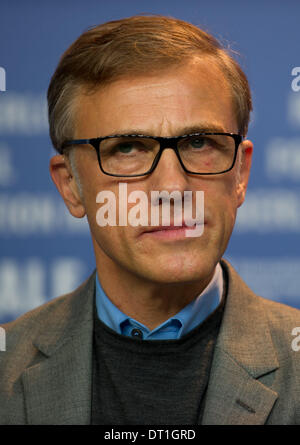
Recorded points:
172,232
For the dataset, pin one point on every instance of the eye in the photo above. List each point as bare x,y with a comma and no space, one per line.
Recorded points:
125,147
197,143
136,146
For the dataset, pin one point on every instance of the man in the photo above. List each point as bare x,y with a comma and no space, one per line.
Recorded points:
164,331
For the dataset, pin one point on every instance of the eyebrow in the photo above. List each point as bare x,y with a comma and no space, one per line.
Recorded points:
191,129
203,128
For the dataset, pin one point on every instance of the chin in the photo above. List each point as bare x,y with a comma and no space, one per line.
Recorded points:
180,270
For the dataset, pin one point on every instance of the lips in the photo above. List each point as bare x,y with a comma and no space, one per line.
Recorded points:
170,232
164,228
161,228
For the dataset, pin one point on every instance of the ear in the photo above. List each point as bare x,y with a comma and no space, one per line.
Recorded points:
246,149
61,173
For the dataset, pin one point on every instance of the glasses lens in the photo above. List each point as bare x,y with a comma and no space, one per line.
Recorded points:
134,155
128,155
207,153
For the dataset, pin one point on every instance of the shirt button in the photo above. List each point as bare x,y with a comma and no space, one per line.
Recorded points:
136,333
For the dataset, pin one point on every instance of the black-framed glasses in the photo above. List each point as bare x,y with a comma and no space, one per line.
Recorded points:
132,155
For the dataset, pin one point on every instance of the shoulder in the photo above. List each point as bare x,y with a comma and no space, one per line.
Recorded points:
273,310
36,335
49,320
48,312
284,325
279,313
257,314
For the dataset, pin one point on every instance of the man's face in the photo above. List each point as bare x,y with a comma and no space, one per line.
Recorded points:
167,104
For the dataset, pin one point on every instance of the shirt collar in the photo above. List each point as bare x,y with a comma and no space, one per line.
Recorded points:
203,305
183,322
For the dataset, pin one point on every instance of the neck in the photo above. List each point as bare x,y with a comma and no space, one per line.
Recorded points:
148,302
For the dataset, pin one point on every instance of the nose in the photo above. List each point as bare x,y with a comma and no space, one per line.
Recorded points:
169,174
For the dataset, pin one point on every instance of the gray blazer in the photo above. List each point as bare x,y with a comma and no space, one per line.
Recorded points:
45,372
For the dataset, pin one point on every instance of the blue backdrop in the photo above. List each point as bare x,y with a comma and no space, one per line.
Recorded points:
44,251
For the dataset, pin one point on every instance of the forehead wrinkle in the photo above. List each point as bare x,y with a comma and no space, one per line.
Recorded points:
143,122
165,127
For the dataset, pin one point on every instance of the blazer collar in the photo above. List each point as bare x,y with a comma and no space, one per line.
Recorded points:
244,353
73,314
57,385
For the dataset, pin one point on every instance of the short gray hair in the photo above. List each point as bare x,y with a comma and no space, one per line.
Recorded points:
138,45
71,154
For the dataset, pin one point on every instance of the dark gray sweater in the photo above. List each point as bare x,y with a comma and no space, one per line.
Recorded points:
152,382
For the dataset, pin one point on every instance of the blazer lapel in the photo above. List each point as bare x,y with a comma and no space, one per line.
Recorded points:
244,353
57,387
234,397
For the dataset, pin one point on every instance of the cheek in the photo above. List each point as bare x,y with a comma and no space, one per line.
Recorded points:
115,243
221,205
109,239
102,209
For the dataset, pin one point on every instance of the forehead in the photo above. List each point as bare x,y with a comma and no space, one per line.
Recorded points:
162,104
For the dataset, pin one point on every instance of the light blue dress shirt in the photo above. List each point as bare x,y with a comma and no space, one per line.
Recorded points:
175,327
